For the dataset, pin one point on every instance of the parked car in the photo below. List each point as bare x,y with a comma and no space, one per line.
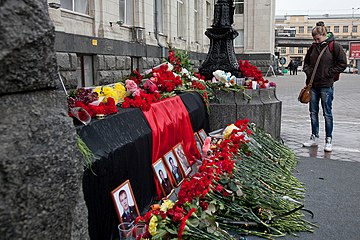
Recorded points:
300,68
349,69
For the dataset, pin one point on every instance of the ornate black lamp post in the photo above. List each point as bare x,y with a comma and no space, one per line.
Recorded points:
221,34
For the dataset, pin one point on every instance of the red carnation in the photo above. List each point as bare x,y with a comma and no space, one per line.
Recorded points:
219,188
178,216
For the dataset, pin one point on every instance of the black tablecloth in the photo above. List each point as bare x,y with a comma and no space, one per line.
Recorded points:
197,111
123,142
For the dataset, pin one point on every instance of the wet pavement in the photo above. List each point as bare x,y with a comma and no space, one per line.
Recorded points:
295,123
331,180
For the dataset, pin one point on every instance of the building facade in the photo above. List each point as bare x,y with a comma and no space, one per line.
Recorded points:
255,24
293,33
100,42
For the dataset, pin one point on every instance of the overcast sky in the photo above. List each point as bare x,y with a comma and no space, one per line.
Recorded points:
316,7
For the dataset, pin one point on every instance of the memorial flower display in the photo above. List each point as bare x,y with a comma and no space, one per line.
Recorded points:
243,187
180,60
116,92
192,81
253,74
156,84
88,100
163,81
160,82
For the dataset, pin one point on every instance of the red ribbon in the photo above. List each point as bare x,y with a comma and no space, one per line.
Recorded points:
170,124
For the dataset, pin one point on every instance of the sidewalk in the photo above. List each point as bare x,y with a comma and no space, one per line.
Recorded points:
332,194
332,180
295,122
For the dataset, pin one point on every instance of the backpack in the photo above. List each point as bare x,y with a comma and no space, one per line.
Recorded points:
331,46
331,49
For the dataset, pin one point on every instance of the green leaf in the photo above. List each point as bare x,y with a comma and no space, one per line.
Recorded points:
221,206
211,229
172,231
233,186
216,234
194,222
239,193
213,202
211,221
159,234
203,215
211,209
196,206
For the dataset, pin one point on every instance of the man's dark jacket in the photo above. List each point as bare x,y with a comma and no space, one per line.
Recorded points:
131,217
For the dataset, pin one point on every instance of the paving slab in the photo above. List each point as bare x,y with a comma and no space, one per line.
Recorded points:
332,194
332,180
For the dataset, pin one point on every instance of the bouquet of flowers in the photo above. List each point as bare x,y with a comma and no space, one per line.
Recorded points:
115,91
191,81
88,101
243,187
179,59
141,90
158,83
253,74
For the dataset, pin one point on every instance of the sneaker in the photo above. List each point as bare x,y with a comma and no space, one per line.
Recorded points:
328,145
313,141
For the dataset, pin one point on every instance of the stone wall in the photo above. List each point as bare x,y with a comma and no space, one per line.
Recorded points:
40,166
68,66
261,107
261,60
107,68
111,69
113,59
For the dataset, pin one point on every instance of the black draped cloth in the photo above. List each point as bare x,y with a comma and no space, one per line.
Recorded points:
123,145
197,111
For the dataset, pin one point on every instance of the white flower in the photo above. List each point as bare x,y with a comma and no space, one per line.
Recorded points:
170,66
148,71
185,71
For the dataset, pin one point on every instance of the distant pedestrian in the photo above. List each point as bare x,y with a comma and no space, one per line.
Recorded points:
332,62
295,66
291,67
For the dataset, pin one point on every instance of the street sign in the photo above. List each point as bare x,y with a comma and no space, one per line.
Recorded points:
354,50
282,60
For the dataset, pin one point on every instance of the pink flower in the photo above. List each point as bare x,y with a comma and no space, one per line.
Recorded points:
150,86
153,79
131,86
272,84
136,92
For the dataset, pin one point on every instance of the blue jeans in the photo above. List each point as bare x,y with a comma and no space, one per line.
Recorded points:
326,94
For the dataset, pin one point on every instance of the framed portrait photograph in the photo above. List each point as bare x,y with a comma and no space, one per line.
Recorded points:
163,178
125,204
198,142
202,135
178,150
173,167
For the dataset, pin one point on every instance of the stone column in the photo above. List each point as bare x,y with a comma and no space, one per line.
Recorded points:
40,167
